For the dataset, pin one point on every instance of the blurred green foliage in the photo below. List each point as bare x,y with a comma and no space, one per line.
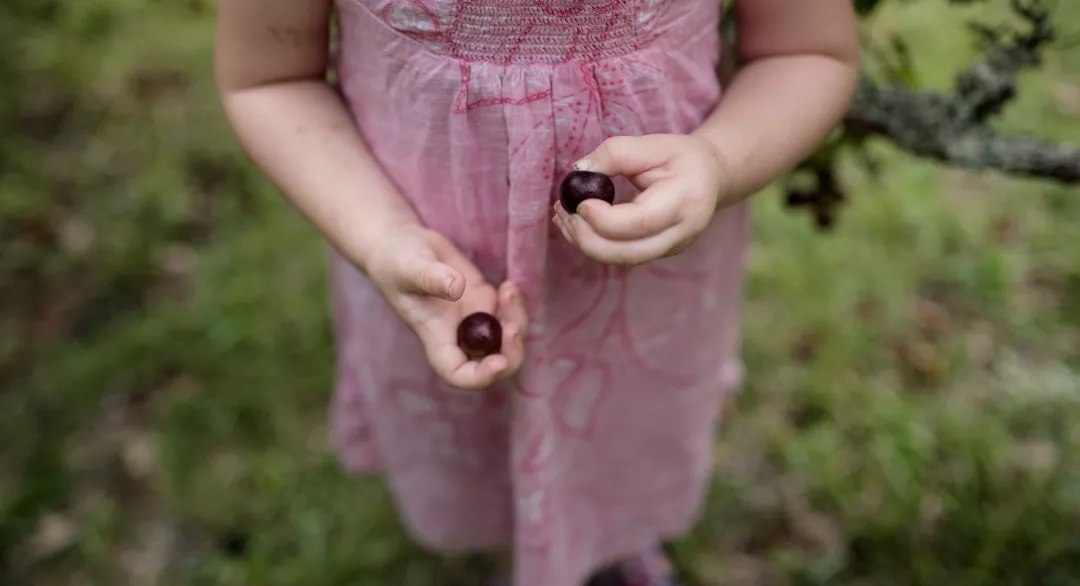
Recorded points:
913,378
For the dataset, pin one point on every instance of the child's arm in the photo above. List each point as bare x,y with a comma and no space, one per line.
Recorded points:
799,67
270,60
798,73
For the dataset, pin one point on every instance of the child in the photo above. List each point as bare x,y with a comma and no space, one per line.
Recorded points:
432,168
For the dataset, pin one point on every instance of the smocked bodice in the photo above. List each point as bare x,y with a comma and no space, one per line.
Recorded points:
531,31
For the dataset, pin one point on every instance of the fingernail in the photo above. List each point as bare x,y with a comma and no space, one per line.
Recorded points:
582,165
449,287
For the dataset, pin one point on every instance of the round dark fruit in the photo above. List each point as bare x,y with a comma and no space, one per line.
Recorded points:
579,186
479,335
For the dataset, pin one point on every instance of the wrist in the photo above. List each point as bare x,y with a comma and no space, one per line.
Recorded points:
360,242
722,153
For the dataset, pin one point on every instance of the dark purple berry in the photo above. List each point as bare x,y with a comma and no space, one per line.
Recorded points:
579,186
479,335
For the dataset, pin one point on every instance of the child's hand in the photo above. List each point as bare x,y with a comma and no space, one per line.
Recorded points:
432,287
680,177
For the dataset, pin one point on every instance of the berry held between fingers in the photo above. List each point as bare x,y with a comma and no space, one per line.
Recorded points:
579,186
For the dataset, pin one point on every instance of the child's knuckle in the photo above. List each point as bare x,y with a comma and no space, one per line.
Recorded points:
643,224
615,146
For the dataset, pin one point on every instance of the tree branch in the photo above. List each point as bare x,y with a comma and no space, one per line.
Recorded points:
921,124
955,129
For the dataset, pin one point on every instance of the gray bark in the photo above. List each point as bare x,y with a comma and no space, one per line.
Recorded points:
956,128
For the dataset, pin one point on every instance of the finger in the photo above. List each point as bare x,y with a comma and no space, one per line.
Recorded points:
513,316
626,252
434,278
478,296
513,349
476,375
455,368
561,225
627,155
652,212
447,252
512,306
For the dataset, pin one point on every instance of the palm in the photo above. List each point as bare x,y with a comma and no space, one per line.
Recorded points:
423,261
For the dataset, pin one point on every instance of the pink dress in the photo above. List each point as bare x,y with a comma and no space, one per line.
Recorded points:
601,447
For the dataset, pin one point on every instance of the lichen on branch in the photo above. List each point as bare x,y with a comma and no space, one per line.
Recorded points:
955,128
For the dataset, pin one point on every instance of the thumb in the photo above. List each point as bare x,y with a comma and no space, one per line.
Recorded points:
625,155
431,277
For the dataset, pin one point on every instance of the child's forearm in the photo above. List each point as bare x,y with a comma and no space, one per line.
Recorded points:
302,137
774,114
800,66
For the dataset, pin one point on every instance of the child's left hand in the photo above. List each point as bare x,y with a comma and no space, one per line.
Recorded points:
681,180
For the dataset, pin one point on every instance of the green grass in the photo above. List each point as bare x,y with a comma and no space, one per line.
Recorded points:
165,365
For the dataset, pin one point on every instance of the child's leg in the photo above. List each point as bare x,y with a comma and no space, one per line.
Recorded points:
504,568
650,568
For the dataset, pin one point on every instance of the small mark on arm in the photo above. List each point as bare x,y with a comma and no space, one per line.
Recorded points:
295,37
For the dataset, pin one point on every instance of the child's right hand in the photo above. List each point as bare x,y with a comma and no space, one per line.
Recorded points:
432,287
